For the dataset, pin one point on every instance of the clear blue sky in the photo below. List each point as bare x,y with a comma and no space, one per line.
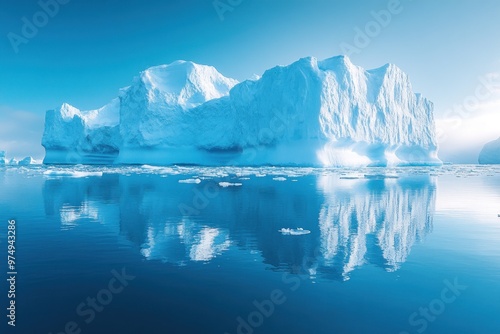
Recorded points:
91,48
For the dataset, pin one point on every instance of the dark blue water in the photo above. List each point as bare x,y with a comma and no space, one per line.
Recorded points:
170,250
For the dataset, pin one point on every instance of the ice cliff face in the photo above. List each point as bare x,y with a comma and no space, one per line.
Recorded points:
321,113
74,136
490,153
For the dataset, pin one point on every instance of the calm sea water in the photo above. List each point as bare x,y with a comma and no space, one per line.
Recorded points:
200,250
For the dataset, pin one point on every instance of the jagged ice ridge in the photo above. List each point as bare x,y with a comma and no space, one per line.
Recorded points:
309,113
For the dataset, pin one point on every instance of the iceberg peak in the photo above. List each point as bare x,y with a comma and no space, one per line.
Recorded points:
336,62
184,83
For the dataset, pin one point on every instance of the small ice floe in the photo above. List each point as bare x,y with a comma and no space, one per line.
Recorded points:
190,181
229,184
260,175
279,178
294,231
75,174
351,176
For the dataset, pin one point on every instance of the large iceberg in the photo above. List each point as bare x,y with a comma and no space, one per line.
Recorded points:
490,153
310,113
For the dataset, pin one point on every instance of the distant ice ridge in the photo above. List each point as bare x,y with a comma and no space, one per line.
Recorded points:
490,153
310,113
14,162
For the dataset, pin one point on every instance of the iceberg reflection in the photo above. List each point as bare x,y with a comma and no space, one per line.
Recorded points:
373,221
352,221
185,241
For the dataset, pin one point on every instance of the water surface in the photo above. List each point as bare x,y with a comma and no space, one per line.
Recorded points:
407,250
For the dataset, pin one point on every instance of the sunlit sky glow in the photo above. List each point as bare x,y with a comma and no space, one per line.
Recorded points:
91,48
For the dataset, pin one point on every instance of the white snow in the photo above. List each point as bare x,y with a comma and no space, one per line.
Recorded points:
490,153
310,113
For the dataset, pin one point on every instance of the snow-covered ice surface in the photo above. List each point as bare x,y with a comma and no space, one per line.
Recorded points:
490,154
310,113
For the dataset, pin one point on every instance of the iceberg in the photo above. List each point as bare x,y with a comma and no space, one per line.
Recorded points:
73,136
3,160
27,161
490,153
309,113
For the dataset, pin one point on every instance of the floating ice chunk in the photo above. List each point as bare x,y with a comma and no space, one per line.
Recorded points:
190,181
294,231
351,176
152,167
279,178
229,184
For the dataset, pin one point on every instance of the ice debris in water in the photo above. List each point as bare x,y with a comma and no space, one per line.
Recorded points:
190,181
294,231
70,173
229,184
